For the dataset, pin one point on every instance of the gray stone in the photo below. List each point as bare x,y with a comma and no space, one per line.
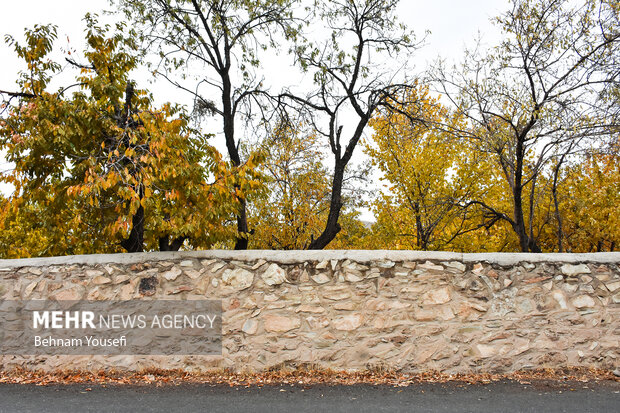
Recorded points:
193,274
525,305
612,287
217,266
321,278
456,265
271,298
445,313
305,308
100,280
93,273
346,306
119,279
352,277
172,274
70,294
354,266
528,266
385,264
477,306
29,289
374,273
571,270
560,298
437,296
180,289
478,269
280,324
274,275
412,291
586,278
250,326
583,301
337,296
239,278
304,277
127,292
485,351
348,323
421,314
431,266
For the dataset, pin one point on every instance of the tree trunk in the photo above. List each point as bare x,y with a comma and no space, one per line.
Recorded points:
526,243
135,241
519,222
242,227
332,228
175,245
229,134
422,240
558,216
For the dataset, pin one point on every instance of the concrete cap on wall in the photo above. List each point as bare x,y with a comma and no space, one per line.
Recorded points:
294,257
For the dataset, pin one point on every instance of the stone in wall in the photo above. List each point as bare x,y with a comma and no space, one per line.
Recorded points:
408,314
238,278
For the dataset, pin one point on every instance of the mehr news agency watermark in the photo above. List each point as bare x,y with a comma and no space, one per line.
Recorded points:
156,327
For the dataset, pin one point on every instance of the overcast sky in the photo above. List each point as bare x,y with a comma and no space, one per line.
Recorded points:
452,23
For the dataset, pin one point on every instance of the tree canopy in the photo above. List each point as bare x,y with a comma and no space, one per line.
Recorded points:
98,168
516,148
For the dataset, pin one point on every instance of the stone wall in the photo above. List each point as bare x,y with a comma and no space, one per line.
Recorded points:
354,309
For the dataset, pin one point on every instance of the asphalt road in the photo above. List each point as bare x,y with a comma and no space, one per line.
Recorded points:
452,397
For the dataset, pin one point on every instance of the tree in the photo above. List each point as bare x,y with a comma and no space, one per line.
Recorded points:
589,203
102,169
538,95
295,202
351,82
432,182
292,209
222,40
